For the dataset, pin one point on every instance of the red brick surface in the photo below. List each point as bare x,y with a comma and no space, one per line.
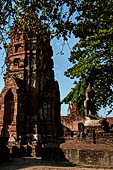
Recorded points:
29,98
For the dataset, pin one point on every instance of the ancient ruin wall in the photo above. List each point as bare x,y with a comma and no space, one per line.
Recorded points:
30,100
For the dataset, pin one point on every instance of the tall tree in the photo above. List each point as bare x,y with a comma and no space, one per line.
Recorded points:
92,56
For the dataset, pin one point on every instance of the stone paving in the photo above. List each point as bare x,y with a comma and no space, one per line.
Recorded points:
34,164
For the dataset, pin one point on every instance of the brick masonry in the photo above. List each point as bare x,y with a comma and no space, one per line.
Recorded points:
29,98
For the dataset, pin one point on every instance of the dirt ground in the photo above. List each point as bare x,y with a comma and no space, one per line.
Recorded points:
36,164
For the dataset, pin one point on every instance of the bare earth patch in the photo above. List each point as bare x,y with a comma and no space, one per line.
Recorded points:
35,164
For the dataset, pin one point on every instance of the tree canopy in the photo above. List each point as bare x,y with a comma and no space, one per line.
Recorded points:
91,22
92,56
54,16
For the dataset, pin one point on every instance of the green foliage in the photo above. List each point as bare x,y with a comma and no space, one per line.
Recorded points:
91,21
92,56
54,16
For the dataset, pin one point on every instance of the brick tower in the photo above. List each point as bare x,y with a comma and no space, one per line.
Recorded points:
30,99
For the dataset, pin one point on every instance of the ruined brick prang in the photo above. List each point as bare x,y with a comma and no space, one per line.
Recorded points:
30,100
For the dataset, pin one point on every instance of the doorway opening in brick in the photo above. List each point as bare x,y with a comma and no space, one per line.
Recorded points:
8,112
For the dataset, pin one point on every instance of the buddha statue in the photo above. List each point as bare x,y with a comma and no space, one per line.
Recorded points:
89,107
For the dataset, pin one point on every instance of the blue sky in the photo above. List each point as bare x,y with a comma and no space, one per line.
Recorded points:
61,64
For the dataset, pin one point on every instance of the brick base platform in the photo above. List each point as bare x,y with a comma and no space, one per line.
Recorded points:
83,154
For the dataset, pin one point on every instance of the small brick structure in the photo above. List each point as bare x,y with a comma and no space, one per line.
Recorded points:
71,121
95,147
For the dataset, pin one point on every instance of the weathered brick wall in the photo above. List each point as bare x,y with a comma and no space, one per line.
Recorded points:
70,123
35,104
89,157
15,69
101,137
43,96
